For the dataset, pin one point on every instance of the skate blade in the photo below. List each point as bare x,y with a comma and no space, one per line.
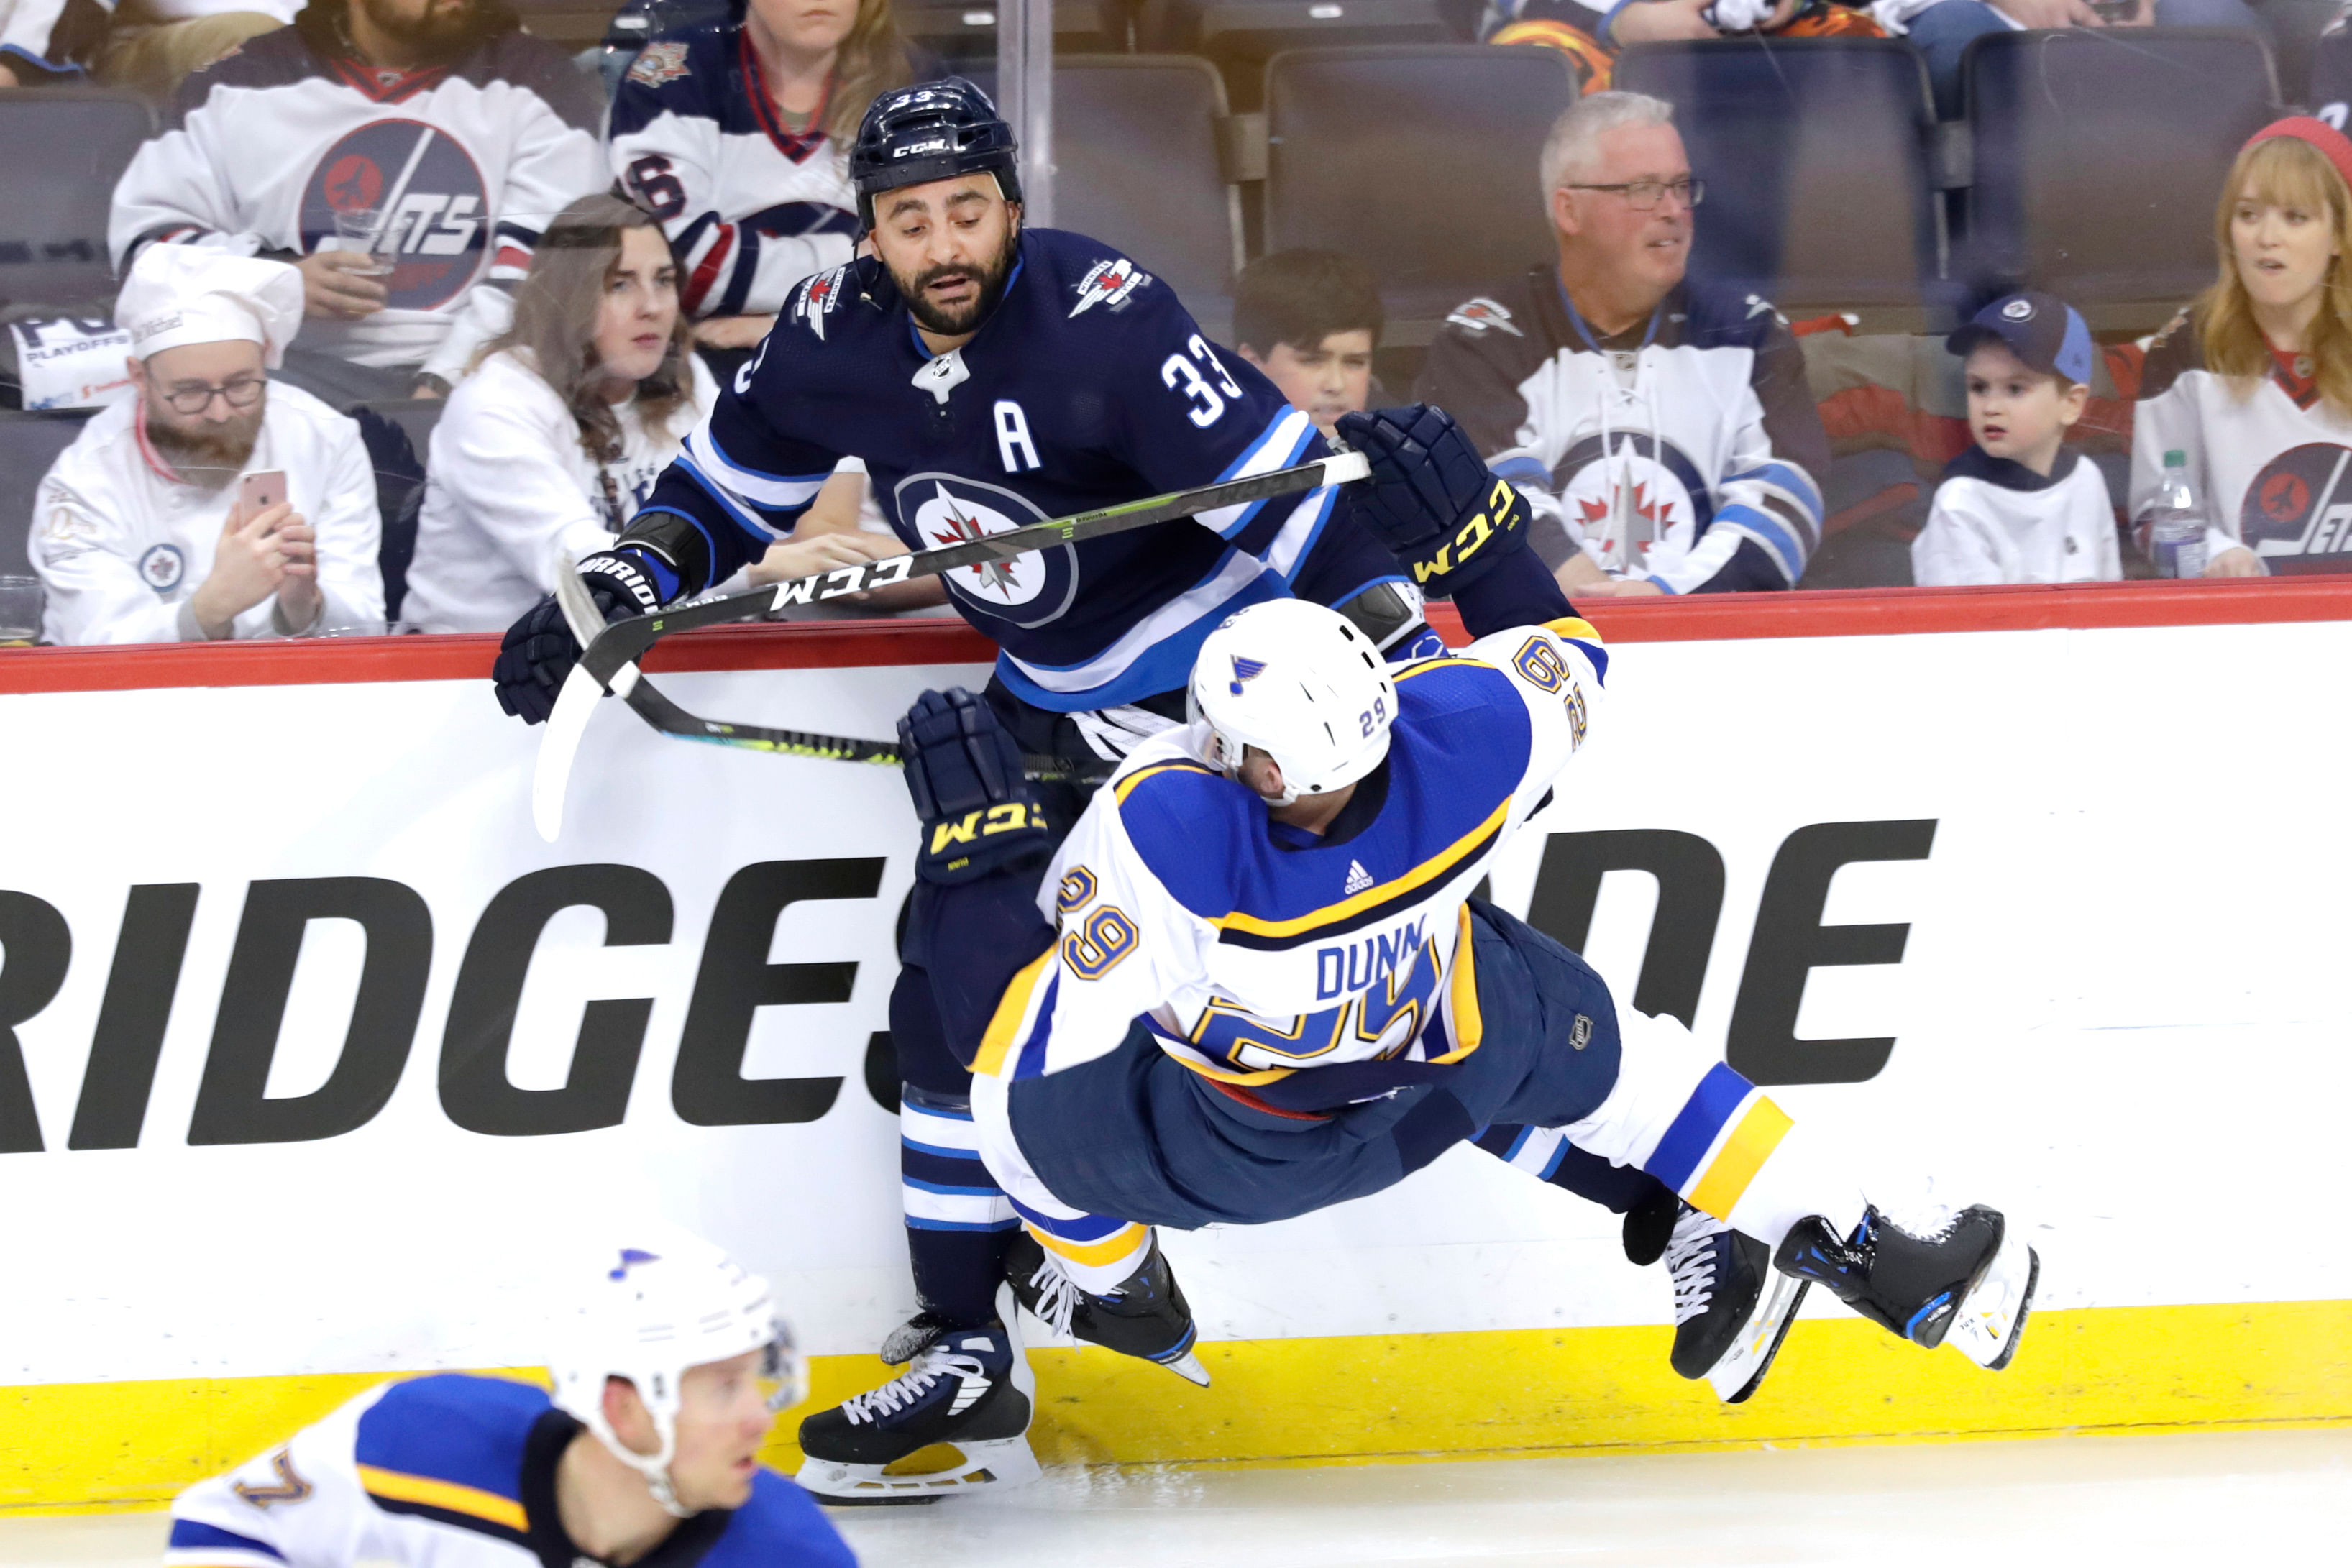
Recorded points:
1740,1370
1188,1367
997,1465
1992,1317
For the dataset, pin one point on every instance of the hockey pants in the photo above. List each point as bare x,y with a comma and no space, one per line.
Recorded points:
1093,1154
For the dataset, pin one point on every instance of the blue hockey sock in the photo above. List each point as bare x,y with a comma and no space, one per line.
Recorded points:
958,1223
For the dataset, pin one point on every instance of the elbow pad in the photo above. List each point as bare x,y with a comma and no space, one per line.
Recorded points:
674,547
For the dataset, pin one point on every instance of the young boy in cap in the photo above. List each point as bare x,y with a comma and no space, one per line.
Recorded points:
2017,506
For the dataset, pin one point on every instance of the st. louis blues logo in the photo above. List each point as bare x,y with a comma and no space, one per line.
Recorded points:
1030,589
433,206
1244,670
1108,284
630,1257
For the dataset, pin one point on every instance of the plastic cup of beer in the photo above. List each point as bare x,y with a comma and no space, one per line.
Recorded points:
20,612
357,230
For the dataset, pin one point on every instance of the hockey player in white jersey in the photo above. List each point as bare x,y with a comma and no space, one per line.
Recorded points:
1270,989
670,1364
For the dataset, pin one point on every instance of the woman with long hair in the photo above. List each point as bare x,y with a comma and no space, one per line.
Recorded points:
2252,385
737,138
566,421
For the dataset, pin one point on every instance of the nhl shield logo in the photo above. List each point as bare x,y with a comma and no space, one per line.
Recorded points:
435,206
1027,591
162,566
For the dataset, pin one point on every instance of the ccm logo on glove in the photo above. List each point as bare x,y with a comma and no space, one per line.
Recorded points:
1505,511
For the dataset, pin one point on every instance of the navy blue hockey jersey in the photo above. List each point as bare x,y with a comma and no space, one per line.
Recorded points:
1088,386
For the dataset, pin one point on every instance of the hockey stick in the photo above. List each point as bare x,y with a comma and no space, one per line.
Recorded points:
609,660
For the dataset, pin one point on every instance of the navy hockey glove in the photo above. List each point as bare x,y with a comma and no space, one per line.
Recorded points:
539,649
1431,499
980,812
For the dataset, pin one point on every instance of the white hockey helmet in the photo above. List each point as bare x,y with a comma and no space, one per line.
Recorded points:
1302,684
659,1309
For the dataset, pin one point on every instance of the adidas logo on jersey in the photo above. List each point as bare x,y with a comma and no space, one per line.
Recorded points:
1358,878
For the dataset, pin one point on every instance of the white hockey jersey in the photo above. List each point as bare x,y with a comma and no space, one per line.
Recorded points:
751,207
507,478
122,542
468,161
1686,450
1290,969
1998,521
454,1472
2272,461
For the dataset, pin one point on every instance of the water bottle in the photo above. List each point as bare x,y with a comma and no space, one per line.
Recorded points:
2175,522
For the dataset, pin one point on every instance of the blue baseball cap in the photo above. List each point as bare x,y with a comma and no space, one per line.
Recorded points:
2040,329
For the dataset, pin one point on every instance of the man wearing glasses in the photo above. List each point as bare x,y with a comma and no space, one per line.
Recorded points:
212,504
1659,426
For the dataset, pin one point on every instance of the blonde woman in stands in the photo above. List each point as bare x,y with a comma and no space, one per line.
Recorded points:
558,434
2252,384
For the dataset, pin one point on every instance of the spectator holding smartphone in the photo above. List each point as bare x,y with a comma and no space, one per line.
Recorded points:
140,530
558,436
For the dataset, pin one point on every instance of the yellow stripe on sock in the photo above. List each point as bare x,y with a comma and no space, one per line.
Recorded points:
1096,1254
1742,1156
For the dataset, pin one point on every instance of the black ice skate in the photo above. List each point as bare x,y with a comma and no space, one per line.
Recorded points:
969,1389
1732,1308
1970,1282
1145,1317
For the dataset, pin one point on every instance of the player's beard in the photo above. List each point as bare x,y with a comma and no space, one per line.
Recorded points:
210,454
990,278
443,30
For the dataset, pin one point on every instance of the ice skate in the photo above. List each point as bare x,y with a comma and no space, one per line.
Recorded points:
969,1389
1732,1308
1970,1281
1146,1317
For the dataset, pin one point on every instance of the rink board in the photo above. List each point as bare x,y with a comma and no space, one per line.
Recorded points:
2094,833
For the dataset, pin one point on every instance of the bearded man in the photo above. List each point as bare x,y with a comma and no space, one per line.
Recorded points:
142,532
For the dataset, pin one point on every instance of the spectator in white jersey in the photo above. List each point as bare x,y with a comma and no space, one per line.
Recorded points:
1311,319
143,530
560,434
2019,506
736,137
404,154
1660,426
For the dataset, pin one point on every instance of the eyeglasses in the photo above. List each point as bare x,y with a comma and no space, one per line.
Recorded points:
1642,195
241,392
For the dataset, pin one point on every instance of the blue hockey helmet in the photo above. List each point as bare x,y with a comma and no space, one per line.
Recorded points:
931,131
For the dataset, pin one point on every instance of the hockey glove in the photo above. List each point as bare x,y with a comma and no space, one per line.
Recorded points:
980,812
539,649
1431,499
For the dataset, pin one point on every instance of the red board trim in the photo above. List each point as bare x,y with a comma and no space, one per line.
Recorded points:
1858,612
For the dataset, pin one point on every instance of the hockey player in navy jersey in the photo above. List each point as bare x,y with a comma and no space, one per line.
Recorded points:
990,377
669,1363
1267,987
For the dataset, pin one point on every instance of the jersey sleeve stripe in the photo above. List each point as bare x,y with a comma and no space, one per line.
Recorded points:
1580,635
188,1535
1295,542
1371,903
997,1043
1469,1023
1785,476
1278,447
448,1497
1779,541
706,271
737,514
1125,786
776,492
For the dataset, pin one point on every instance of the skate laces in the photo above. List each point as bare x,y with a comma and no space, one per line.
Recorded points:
904,1390
1057,1295
1690,1259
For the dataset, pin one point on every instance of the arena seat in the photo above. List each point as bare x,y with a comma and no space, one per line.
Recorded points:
2096,160
2331,79
1242,36
1420,160
964,30
1816,155
29,442
67,148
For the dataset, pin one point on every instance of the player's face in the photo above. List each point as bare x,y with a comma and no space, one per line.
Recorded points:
807,26
2282,246
722,1419
949,246
2015,411
1645,250
1333,378
217,435
639,309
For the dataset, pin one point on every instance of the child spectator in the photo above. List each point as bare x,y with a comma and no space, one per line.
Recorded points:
141,532
737,138
2018,507
1310,321
434,129
560,434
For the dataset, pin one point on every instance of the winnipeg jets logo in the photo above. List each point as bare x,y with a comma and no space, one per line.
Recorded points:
1358,878
659,63
818,296
1635,495
1028,590
1478,315
962,524
1244,670
1108,284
